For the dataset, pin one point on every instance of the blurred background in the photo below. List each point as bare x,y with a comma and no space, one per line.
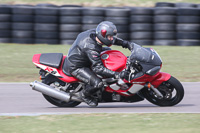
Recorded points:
60,21
27,27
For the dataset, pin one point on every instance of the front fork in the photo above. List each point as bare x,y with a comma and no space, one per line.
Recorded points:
156,91
162,77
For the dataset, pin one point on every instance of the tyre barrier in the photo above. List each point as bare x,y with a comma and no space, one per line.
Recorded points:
166,24
5,24
46,24
70,24
22,24
188,26
120,17
141,25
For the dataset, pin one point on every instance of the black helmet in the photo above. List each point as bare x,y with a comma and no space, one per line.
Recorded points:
104,29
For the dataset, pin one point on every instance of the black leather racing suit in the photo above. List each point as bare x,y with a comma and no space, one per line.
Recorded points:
84,61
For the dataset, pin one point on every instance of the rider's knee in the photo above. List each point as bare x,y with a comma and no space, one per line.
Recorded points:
98,85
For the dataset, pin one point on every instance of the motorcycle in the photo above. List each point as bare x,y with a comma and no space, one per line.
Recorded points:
145,81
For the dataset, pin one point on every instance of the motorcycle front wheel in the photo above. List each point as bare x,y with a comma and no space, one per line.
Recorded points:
172,91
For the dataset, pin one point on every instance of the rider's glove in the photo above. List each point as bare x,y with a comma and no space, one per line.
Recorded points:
124,43
122,75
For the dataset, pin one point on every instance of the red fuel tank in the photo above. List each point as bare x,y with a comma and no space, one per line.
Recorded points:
114,60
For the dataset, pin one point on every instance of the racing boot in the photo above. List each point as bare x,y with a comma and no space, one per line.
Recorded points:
92,102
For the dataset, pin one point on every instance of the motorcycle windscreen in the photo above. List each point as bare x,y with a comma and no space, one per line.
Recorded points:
140,54
114,60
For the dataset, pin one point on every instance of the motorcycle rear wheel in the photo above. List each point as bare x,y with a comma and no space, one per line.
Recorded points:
172,91
57,102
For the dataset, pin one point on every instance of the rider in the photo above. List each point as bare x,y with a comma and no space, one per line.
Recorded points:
84,61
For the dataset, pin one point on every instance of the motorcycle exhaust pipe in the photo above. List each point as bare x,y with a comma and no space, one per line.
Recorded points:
51,91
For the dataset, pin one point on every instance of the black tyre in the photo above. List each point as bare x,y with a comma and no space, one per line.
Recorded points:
88,26
46,11
70,19
23,40
70,11
188,27
188,19
46,5
141,11
124,36
5,26
172,91
164,42
165,35
164,27
5,17
22,26
165,11
70,6
180,5
68,42
23,10
46,19
92,19
93,11
117,12
188,42
165,4
5,40
22,5
5,9
57,102
46,27
122,28
46,35
5,33
70,27
46,41
68,35
141,27
141,35
141,19
164,19
22,34
118,20
143,42
22,18
188,12
188,35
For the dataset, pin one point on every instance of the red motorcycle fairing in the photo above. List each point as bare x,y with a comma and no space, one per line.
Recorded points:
137,84
55,71
162,77
155,80
114,60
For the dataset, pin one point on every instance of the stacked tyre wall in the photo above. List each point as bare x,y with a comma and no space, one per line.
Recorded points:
168,24
141,26
46,25
120,17
5,24
70,24
22,25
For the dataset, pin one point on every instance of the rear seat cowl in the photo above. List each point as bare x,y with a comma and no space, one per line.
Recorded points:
51,59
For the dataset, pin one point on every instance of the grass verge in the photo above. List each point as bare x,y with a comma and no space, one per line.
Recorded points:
102,123
16,61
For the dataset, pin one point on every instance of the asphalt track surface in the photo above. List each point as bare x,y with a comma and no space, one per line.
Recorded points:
18,99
